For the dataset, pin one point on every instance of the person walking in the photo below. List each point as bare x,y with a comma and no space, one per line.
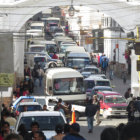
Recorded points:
22,130
104,65
127,93
40,75
97,104
90,111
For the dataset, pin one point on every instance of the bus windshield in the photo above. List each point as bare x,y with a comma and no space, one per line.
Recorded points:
36,27
68,86
77,62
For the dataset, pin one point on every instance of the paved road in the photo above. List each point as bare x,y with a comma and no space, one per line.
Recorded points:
119,87
98,129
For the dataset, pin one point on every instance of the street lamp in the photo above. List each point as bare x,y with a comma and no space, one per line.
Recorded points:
71,9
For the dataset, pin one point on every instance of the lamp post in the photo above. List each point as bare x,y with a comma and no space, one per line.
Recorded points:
71,9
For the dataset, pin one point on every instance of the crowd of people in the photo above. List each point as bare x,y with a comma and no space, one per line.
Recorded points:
26,86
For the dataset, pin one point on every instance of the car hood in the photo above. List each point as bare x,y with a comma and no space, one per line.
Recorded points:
49,134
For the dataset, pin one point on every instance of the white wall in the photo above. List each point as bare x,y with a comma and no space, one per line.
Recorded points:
110,44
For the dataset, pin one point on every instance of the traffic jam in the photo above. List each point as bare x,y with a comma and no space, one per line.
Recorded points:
60,79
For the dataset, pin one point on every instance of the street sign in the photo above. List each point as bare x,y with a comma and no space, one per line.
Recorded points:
138,65
137,48
6,79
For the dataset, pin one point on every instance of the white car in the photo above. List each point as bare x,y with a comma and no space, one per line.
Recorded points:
47,121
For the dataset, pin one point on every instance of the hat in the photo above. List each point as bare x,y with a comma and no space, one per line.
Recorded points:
75,127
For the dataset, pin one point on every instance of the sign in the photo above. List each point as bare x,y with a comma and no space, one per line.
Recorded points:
138,65
137,48
6,79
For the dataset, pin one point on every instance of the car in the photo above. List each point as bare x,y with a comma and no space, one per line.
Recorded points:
92,69
98,88
22,99
31,106
112,104
47,121
93,81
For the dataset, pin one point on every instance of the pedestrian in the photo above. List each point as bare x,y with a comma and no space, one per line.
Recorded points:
13,136
66,129
131,109
45,108
127,93
25,92
59,107
35,73
130,98
124,76
96,102
54,56
21,86
90,111
40,75
74,133
39,135
34,128
104,65
59,133
5,129
27,71
111,73
131,131
109,134
11,120
22,130
67,110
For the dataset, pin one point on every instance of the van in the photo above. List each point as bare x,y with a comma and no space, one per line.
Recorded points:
67,84
112,104
36,29
77,60
93,81
36,48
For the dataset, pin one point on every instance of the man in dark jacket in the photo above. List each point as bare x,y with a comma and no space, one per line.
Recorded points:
90,111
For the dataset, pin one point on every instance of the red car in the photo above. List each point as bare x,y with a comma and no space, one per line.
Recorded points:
112,104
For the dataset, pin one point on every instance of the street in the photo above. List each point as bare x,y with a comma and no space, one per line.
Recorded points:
120,87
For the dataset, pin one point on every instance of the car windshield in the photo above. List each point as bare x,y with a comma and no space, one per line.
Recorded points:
29,108
37,49
36,27
89,84
45,122
95,71
63,48
114,99
68,86
53,21
50,48
39,59
77,62
102,83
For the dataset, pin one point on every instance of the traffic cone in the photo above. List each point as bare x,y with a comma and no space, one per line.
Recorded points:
73,117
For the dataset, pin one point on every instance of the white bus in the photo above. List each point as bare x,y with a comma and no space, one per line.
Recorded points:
67,84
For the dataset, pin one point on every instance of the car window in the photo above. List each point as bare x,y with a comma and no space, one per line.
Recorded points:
29,108
102,83
45,122
41,101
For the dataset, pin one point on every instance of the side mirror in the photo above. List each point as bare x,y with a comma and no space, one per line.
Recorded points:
50,88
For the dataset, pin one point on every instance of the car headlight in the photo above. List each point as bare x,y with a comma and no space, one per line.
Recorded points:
110,109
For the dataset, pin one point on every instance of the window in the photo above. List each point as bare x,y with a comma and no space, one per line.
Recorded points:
45,122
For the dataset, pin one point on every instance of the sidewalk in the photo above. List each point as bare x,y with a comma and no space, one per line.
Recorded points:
119,85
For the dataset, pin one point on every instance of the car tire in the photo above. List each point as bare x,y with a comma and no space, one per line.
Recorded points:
105,116
52,65
77,115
